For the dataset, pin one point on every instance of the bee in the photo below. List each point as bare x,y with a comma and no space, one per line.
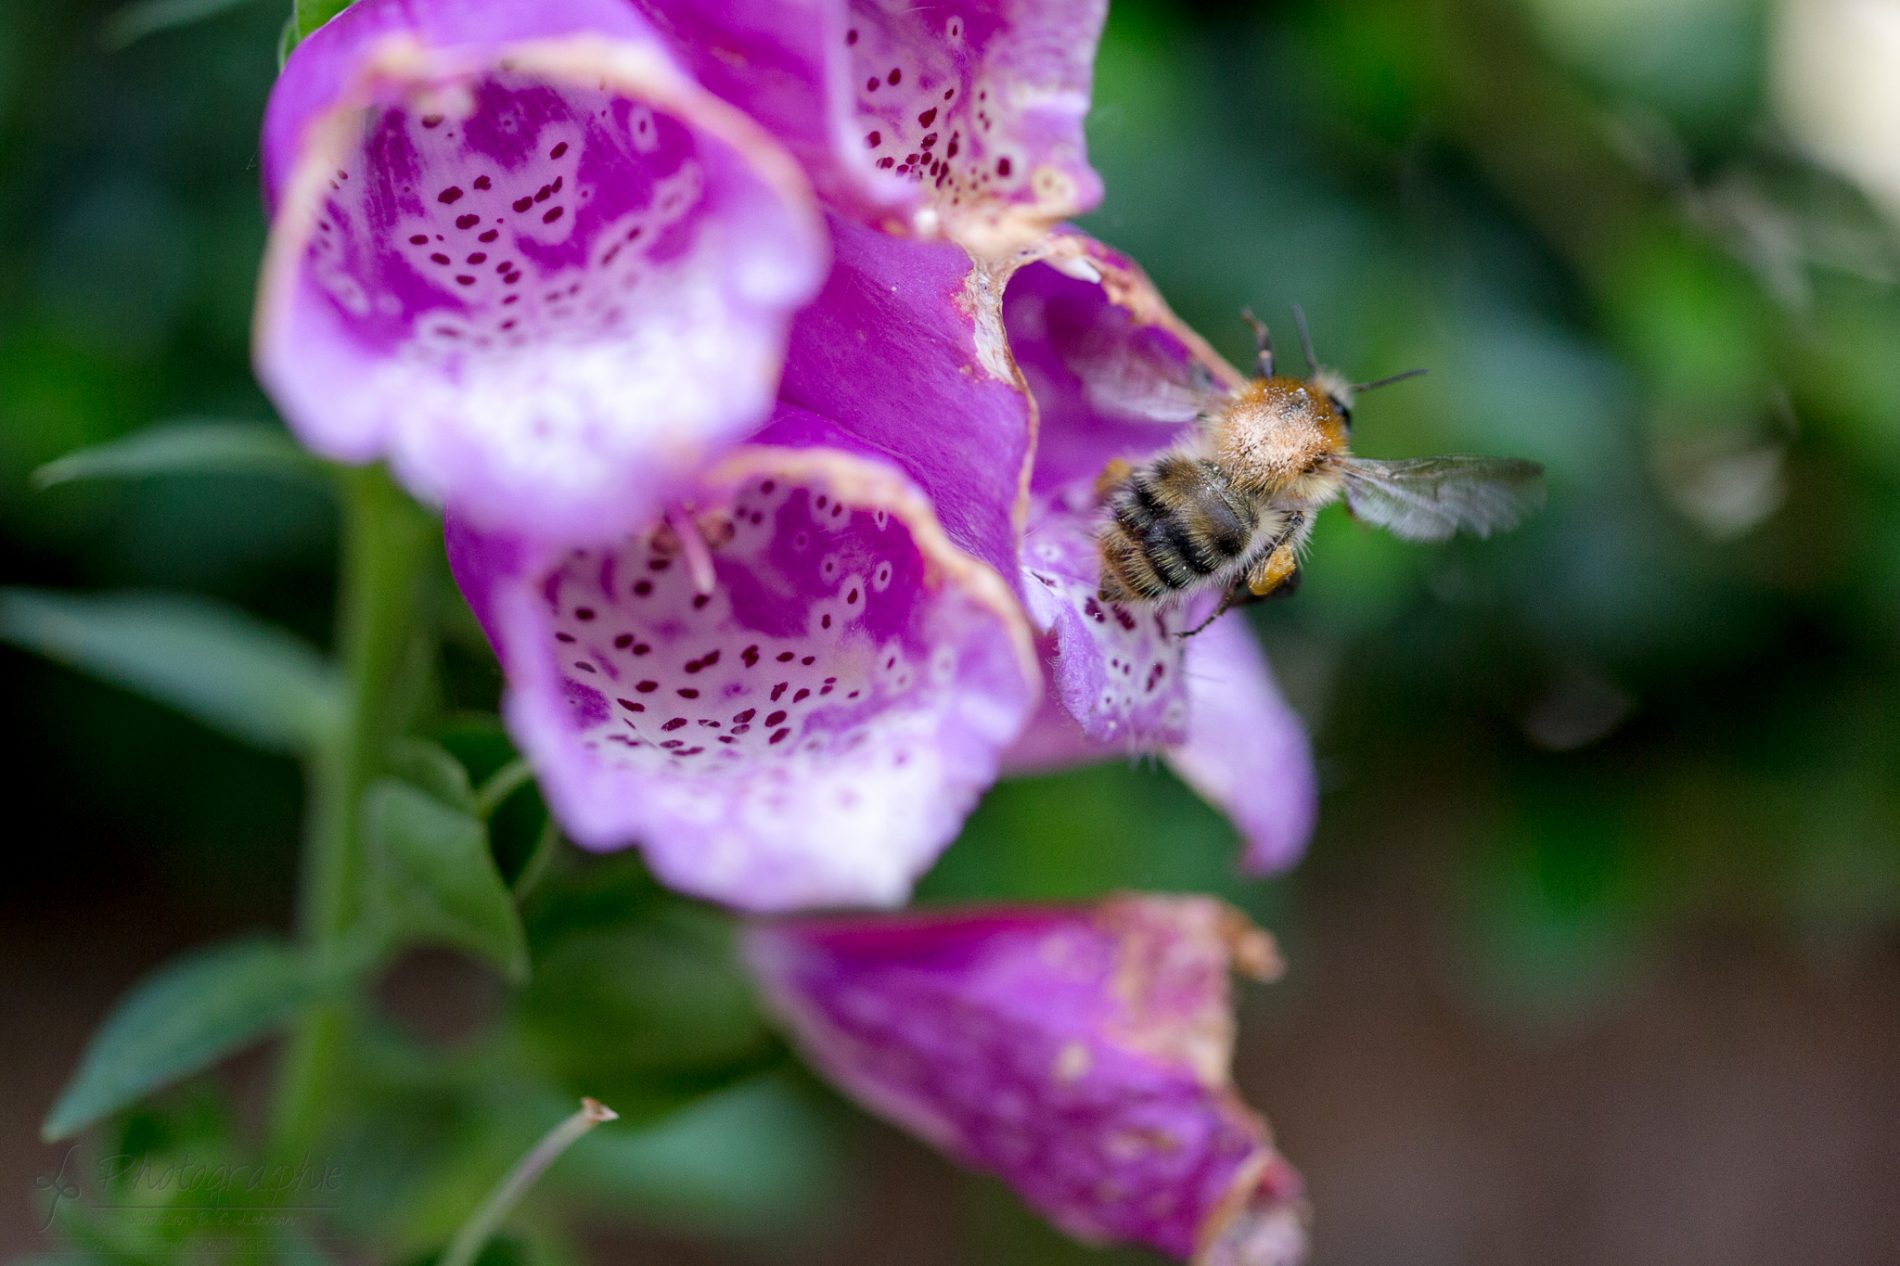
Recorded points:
1230,508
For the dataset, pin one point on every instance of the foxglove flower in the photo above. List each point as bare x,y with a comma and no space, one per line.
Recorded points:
1020,380
1080,1054
962,117
788,696
518,251
1115,375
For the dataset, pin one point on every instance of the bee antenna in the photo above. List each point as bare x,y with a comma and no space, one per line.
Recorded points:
1262,341
1389,380
1306,341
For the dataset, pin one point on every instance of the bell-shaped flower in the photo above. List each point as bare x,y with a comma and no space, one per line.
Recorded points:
963,118
1004,388
1082,1055
788,693
1116,376
516,250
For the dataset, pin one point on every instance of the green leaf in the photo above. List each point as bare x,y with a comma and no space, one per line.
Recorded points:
148,17
435,879
181,1019
311,14
186,448
255,682
431,767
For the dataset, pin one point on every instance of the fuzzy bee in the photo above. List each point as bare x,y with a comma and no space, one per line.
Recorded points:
1230,509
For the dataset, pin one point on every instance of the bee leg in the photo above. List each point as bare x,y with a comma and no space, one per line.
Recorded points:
1277,574
1113,476
1228,600
1262,342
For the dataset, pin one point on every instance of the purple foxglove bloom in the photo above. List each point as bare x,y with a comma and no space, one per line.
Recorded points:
789,696
1103,358
963,117
1020,380
1080,1054
519,252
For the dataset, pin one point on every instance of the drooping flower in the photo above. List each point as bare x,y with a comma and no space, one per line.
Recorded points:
963,117
1004,388
1080,1054
788,696
1115,375
517,251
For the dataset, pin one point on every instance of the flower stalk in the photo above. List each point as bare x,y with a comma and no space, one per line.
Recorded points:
383,552
486,1220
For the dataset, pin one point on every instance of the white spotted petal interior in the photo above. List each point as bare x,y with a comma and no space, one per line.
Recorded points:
810,728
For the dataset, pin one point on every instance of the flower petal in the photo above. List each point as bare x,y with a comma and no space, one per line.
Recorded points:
810,727
1114,374
904,349
1080,1054
515,250
1246,751
966,117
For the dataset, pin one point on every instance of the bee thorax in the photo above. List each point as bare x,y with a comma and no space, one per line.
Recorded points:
1275,435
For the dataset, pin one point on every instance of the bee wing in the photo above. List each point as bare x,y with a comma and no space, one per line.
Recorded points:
1130,378
1432,498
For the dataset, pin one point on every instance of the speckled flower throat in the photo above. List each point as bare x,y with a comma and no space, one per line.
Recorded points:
510,214
939,102
811,640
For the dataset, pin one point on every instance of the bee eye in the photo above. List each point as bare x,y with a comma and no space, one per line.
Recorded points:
1343,409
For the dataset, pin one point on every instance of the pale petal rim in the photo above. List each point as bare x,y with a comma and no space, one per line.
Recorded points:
404,60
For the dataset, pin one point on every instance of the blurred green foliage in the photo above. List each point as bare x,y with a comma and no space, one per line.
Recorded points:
1668,702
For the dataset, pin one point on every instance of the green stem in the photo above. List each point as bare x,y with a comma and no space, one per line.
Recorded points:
382,567
486,1220
505,781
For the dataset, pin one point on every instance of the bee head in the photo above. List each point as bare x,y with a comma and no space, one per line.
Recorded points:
1338,390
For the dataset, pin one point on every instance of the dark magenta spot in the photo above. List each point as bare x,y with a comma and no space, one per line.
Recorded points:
776,718
927,117
1004,166
553,214
647,687
522,204
418,239
896,76
452,194
778,736
742,717
467,221
675,724
558,150
687,692
483,182
583,614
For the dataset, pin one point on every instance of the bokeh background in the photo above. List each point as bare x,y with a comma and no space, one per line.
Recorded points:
1596,954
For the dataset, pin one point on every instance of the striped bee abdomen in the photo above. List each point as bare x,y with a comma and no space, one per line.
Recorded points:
1172,524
